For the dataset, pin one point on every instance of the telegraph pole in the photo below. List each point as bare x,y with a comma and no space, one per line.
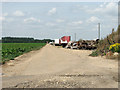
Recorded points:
75,36
99,31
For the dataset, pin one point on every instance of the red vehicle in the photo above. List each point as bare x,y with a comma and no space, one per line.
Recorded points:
65,40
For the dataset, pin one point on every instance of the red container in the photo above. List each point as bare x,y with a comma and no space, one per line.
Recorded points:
66,38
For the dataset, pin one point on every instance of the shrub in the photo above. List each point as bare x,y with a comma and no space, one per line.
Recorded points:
94,53
115,47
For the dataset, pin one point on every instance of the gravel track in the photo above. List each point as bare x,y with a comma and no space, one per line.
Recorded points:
55,67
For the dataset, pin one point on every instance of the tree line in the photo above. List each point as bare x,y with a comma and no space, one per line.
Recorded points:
23,40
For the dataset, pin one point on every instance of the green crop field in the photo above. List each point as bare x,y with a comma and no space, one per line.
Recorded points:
12,50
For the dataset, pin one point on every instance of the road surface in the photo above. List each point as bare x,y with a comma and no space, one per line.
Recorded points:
55,67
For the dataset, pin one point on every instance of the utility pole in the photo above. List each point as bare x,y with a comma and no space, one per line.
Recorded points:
99,31
75,36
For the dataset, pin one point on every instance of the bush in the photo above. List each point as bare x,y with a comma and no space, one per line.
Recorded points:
94,53
115,47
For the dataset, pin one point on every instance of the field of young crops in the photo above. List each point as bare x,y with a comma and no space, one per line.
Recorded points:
12,50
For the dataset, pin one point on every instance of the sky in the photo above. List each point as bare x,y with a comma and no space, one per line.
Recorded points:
56,19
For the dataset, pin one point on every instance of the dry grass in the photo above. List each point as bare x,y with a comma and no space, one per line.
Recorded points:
104,44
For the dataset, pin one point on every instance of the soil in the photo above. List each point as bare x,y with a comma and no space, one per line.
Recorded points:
56,67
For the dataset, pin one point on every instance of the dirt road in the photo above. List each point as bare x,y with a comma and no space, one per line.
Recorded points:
54,67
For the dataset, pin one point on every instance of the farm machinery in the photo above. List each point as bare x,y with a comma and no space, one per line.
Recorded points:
83,44
62,41
66,42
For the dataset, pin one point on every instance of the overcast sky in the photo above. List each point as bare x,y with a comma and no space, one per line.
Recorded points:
54,20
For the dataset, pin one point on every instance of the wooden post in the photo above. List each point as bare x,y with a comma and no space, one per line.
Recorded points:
99,31
75,36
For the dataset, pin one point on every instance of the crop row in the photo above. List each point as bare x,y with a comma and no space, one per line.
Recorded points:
12,50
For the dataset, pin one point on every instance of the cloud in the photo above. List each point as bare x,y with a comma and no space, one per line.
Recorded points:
77,22
82,7
6,19
2,18
60,20
31,19
18,13
50,24
93,19
52,11
103,4
109,9
5,14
